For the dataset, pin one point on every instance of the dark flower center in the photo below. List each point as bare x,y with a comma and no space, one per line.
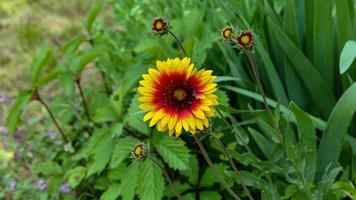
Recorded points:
178,95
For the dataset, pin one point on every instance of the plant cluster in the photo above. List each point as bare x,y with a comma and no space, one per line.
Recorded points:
180,107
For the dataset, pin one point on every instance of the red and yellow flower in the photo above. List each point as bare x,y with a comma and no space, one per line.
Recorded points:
177,96
245,40
227,33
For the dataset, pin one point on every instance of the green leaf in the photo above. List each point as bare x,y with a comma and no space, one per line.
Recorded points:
102,154
76,175
93,13
344,21
122,150
274,79
209,179
318,123
174,152
42,58
134,116
48,168
87,56
129,182
337,126
16,109
210,195
323,40
220,79
151,182
295,88
347,56
307,139
112,193
193,173
315,83
262,142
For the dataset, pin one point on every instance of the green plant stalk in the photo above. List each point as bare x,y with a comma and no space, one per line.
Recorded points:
169,180
38,98
102,74
252,61
233,128
85,105
232,163
212,166
178,42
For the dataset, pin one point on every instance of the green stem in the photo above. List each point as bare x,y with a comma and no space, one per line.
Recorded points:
234,129
85,105
252,61
213,168
232,163
38,98
179,43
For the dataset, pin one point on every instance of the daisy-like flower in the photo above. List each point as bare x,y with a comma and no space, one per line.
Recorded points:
177,96
245,40
160,26
227,33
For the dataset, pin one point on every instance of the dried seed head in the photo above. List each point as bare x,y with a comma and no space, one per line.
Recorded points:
245,40
227,33
160,26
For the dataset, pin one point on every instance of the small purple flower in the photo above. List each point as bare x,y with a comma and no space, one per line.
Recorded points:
18,156
5,145
41,185
65,188
12,186
4,131
2,98
52,134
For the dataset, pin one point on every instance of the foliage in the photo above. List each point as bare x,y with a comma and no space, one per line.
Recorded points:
305,55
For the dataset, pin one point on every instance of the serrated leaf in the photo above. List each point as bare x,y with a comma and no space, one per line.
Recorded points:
151,182
174,152
223,98
112,192
122,150
129,182
76,175
16,109
193,173
48,168
102,154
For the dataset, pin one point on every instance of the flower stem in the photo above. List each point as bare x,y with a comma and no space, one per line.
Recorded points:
38,98
234,129
170,182
212,166
252,61
178,42
85,105
232,163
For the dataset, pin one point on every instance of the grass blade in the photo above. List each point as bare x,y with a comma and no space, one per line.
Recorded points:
323,40
336,130
314,82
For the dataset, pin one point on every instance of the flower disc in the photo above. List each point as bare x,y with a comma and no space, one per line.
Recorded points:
178,96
